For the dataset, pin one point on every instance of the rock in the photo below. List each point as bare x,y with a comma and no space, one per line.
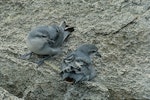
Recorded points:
119,28
5,95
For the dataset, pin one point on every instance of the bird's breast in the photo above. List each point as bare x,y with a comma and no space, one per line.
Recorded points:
35,44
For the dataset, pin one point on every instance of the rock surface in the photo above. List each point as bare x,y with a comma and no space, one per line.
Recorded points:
5,95
120,28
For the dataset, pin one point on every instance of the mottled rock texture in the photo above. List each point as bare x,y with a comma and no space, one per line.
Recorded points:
5,95
119,28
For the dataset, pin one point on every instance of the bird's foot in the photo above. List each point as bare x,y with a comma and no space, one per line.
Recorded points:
87,83
41,61
26,56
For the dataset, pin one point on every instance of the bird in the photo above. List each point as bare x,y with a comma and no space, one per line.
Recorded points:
47,40
77,66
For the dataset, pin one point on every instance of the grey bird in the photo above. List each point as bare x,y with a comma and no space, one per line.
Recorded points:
47,40
78,65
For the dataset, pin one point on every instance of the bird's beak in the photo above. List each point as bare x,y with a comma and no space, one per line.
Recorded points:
98,54
51,41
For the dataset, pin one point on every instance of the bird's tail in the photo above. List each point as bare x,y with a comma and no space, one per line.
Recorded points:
67,30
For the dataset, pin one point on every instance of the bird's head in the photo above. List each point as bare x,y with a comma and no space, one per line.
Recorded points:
43,36
89,49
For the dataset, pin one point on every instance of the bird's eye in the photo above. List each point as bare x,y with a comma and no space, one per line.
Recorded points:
57,30
43,36
93,51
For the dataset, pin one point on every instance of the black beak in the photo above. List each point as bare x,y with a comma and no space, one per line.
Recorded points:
98,54
51,41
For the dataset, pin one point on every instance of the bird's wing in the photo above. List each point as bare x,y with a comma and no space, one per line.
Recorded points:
59,36
83,60
67,32
63,24
66,64
69,58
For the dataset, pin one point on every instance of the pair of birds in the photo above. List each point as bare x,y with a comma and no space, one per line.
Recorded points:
47,40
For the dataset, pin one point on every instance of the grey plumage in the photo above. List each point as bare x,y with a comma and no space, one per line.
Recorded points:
78,66
47,40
